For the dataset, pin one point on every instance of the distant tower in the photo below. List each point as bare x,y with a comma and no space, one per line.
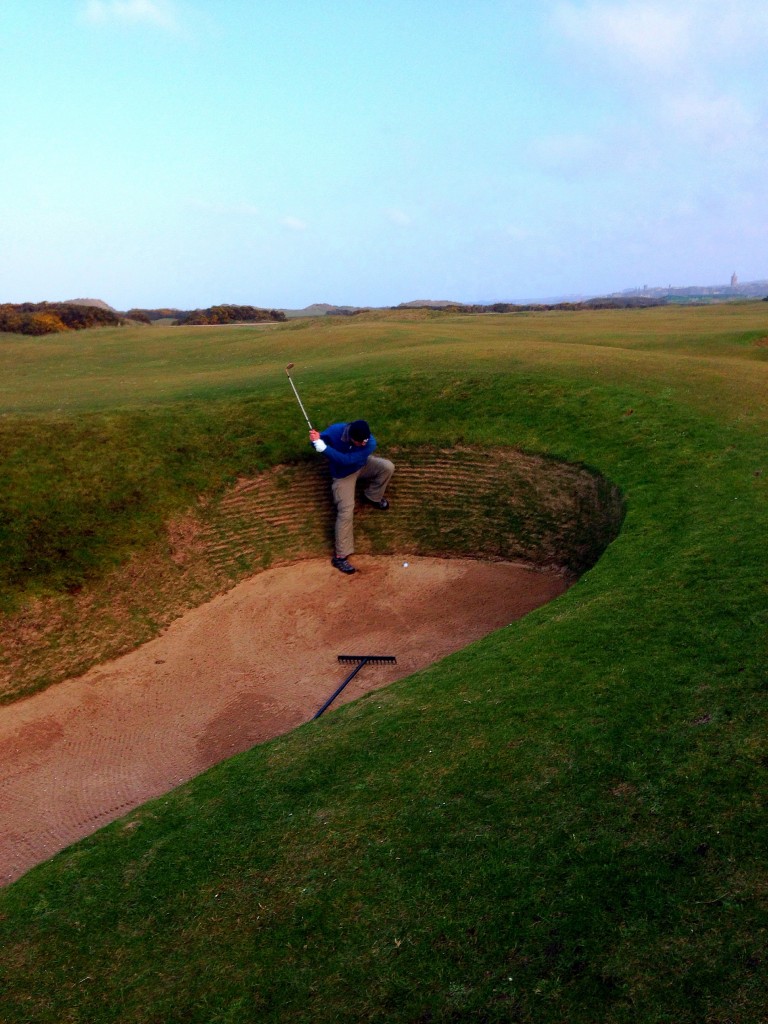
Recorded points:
734,280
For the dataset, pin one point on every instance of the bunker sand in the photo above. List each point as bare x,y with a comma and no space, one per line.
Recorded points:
249,665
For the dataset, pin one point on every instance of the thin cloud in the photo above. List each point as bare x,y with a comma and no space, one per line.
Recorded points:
661,37
653,38
294,223
399,217
518,234
159,13
720,121
694,71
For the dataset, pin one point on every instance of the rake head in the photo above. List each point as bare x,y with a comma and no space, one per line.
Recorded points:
388,659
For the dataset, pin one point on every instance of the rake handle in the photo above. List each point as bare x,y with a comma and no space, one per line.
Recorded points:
338,690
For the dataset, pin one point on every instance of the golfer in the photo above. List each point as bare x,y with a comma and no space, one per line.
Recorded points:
349,448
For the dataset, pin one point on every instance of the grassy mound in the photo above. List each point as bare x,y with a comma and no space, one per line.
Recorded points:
564,822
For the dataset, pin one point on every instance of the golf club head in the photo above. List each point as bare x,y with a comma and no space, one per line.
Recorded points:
290,366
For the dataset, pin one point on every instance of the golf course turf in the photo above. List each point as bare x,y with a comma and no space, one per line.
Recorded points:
564,822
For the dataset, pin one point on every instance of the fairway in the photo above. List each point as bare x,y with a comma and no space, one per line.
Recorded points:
712,353
561,820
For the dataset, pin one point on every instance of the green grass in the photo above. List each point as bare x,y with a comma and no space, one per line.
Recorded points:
565,822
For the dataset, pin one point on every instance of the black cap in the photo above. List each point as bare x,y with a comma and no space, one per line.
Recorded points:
359,430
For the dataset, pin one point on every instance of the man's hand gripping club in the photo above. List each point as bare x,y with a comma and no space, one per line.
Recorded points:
317,442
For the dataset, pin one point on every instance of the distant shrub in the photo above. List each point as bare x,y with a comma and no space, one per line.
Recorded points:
38,318
150,315
11,320
43,323
77,318
226,314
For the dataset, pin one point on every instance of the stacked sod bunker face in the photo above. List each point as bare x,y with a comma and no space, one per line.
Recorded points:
487,503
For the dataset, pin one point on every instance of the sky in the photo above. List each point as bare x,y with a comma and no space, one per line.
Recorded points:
185,153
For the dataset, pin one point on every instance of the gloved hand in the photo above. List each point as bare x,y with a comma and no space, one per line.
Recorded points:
317,442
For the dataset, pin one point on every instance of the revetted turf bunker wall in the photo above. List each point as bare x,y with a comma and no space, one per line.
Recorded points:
498,503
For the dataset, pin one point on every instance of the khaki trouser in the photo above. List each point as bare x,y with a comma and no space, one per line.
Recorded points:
377,472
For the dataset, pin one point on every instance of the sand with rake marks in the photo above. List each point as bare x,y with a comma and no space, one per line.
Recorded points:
253,663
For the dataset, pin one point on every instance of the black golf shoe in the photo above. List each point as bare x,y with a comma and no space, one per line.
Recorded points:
382,505
343,565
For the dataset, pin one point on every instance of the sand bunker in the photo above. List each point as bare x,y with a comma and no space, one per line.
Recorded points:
252,664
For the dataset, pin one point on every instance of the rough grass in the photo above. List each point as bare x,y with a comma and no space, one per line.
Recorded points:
564,822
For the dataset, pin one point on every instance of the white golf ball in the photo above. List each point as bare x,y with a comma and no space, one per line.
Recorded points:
405,565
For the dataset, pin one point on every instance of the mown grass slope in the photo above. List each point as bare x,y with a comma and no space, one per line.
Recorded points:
565,822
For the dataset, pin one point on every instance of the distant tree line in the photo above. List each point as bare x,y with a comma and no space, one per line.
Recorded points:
630,302
226,314
38,318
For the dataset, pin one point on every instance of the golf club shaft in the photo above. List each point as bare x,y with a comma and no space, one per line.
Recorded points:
298,399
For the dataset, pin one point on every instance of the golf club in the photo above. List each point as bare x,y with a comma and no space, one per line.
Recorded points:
290,367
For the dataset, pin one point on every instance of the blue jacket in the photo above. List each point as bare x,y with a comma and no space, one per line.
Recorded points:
343,456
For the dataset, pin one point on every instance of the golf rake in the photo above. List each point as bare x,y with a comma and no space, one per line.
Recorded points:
361,659
290,367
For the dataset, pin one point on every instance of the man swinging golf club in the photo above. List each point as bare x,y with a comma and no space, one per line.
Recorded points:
349,449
